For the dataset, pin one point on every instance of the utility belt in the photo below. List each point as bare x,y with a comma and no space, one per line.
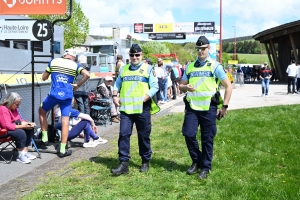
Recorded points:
215,100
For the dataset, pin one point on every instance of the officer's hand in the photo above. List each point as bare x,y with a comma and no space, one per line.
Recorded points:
117,101
221,113
190,88
146,97
75,87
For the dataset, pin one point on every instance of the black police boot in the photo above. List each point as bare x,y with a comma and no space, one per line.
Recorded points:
144,167
193,169
203,174
121,169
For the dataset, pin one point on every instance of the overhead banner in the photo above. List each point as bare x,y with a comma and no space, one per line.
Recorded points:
179,27
138,28
186,27
166,36
33,7
204,27
163,28
148,28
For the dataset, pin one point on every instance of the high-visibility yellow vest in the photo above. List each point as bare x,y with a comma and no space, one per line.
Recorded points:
135,84
205,84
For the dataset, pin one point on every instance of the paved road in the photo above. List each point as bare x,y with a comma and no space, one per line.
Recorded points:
247,96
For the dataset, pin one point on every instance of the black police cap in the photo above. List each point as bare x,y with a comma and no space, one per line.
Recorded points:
135,48
202,40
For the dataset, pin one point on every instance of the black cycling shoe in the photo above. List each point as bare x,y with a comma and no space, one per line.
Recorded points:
67,153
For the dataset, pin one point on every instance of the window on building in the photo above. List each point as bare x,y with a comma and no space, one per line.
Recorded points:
21,45
38,46
92,60
107,49
56,47
4,43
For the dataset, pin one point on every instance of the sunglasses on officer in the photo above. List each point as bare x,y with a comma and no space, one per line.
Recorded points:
135,54
200,48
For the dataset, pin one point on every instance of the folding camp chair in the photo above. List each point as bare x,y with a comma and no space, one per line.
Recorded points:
100,111
5,138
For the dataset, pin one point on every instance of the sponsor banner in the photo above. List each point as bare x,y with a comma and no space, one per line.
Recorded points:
166,36
185,27
33,7
233,62
179,27
148,28
138,27
23,79
163,28
16,29
204,27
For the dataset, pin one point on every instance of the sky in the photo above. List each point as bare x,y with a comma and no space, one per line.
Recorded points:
239,17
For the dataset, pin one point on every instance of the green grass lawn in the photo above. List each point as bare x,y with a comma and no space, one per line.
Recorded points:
254,58
256,157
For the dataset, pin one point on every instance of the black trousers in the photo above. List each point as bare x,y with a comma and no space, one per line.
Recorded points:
291,81
142,123
298,84
174,89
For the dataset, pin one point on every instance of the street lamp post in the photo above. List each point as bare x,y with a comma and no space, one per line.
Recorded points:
234,54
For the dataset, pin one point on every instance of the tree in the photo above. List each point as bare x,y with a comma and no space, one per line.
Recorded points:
154,47
185,53
225,57
76,29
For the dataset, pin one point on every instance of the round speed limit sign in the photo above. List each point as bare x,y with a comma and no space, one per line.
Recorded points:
42,30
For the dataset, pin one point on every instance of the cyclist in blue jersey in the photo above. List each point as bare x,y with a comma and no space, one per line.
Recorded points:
63,72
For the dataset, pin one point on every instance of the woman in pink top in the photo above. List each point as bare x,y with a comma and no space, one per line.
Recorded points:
18,129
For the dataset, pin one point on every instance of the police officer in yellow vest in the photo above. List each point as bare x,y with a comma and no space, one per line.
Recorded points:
200,81
136,84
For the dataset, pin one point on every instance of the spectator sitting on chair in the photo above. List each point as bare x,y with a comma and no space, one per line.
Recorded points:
80,122
81,94
17,128
105,90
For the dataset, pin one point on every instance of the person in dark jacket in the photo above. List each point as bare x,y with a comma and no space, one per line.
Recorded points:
81,95
265,75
